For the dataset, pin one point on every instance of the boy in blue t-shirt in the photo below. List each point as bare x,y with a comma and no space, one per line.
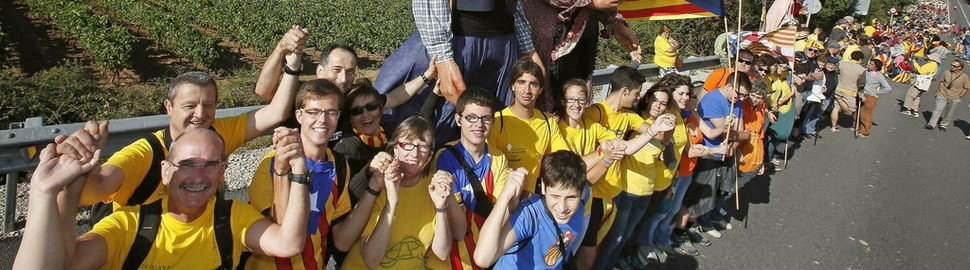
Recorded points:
545,230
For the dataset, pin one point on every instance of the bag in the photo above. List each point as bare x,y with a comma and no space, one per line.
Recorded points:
679,63
923,82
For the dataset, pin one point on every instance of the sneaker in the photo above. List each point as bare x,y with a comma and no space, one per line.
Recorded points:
904,112
712,232
666,251
685,247
968,137
775,161
696,236
928,126
943,128
649,254
723,225
915,114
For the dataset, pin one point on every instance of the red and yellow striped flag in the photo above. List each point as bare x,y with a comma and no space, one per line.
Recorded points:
653,10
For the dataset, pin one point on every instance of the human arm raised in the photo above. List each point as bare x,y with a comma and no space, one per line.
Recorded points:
496,235
441,196
374,246
281,106
346,232
406,91
269,75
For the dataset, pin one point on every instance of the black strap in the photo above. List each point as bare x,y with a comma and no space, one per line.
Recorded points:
223,231
559,239
148,220
340,165
483,206
149,182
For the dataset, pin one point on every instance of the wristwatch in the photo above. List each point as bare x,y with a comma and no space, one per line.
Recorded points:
287,70
300,178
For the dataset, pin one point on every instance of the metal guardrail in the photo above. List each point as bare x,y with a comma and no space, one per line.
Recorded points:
19,147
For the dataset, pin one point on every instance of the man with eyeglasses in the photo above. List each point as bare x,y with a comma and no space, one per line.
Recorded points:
953,87
131,175
479,169
318,102
187,229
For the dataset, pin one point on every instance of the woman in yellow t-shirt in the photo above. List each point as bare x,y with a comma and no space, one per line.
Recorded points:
404,224
665,49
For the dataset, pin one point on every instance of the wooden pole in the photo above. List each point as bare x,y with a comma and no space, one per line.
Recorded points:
727,135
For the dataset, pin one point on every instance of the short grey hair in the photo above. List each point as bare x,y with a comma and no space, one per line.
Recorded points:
198,78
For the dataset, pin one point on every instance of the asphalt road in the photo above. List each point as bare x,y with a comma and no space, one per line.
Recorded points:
895,200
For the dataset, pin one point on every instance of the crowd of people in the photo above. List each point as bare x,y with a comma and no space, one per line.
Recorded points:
516,167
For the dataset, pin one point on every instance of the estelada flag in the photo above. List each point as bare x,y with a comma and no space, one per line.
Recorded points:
655,10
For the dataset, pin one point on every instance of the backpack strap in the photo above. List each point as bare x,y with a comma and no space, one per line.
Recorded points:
149,183
482,205
223,231
149,218
340,166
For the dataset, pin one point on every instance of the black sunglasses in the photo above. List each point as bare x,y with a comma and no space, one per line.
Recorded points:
373,105
747,62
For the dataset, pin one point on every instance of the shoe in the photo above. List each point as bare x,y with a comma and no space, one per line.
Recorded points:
904,112
928,126
943,128
666,251
968,137
712,232
915,114
686,247
834,129
649,254
723,225
696,236
863,136
808,136
775,161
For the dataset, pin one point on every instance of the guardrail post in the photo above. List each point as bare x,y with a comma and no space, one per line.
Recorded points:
10,206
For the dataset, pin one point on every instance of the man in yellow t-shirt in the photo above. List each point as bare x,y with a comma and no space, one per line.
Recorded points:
523,132
318,102
189,228
191,104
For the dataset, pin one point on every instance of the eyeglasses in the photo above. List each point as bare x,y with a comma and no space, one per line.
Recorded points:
580,101
314,113
188,164
471,118
813,50
956,66
366,107
410,147
763,68
746,62
742,95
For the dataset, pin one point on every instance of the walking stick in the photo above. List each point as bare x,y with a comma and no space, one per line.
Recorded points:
786,154
858,112
737,50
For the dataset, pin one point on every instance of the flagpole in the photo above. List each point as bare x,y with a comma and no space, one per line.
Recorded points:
727,134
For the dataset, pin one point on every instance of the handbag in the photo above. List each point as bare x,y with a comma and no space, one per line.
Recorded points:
923,82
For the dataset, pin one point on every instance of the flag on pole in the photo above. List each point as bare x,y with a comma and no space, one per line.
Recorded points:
781,41
654,10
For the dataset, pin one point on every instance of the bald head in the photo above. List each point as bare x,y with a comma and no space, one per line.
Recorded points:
196,142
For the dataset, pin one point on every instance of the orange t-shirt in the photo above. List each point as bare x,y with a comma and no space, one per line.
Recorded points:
688,163
717,78
752,150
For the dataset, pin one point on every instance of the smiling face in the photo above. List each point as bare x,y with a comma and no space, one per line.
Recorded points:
659,104
193,171
318,120
682,96
526,88
413,161
576,101
365,114
562,202
193,107
340,68
475,132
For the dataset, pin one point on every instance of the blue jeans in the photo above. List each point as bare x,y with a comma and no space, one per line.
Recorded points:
658,228
812,114
629,211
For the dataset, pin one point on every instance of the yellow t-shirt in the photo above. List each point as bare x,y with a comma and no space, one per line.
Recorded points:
661,57
411,231
178,245
619,122
464,250
781,88
679,139
261,197
586,140
869,30
642,169
525,141
136,158
847,55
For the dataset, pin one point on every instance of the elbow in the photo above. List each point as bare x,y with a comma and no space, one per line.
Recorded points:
341,243
482,260
292,248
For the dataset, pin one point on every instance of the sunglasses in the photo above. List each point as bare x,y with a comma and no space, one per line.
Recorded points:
373,105
956,66
746,62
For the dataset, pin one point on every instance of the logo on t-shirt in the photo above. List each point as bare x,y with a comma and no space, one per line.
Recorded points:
553,253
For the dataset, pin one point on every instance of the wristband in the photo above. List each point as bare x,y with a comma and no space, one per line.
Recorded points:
282,174
441,210
371,191
300,178
288,71
608,163
425,79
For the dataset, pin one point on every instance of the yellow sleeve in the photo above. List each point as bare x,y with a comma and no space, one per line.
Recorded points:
499,171
556,141
118,231
633,120
233,131
601,133
134,161
243,217
261,188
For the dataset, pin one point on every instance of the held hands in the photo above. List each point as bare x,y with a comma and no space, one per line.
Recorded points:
440,188
377,166
55,171
628,40
663,123
613,150
289,151
294,40
450,80
513,183
392,181
82,144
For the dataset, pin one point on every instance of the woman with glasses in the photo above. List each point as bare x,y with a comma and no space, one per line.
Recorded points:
361,118
590,137
404,225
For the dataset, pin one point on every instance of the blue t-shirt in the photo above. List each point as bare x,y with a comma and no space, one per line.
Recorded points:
715,105
448,163
322,175
536,237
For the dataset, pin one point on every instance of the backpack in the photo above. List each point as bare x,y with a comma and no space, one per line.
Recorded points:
150,218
